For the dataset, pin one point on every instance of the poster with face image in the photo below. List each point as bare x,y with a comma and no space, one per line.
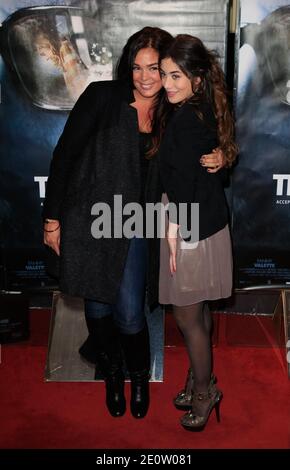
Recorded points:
261,180
49,52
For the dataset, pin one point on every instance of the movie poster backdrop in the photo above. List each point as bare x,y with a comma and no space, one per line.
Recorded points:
261,179
49,53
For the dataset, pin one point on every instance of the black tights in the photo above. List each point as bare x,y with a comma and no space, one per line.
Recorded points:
195,323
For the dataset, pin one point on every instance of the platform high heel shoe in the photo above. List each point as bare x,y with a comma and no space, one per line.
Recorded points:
183,400
202,405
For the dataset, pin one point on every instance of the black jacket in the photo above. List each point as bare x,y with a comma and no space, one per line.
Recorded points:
97,157
185,140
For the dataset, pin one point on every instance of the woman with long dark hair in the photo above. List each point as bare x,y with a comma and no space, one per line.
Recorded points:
102,153
193,118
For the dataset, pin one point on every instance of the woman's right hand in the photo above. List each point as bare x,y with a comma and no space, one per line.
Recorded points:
172,244
51,235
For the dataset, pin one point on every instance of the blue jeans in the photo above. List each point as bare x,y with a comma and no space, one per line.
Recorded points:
128,311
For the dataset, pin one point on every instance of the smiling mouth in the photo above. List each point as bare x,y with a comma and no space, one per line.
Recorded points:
146,87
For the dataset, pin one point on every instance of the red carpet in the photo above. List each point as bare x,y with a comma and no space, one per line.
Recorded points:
255,411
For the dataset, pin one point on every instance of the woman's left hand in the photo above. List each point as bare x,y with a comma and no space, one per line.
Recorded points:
172,243
213,161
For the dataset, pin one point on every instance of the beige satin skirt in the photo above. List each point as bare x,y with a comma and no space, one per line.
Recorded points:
203,270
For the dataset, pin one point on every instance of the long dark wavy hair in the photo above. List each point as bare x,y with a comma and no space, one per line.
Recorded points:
155,38
195,60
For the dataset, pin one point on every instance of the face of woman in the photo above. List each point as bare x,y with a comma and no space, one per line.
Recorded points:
146,76
177,85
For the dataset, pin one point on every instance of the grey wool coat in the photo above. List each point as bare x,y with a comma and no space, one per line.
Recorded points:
97,157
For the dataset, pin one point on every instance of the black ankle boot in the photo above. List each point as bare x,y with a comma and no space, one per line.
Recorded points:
139,393
114,377
105,351
115,398
137,354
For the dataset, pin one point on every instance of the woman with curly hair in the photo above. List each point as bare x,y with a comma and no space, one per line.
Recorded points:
194,118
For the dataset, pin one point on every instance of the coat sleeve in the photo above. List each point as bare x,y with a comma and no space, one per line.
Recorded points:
81,121
190,140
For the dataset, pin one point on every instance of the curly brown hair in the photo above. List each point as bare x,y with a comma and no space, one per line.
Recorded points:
195,60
